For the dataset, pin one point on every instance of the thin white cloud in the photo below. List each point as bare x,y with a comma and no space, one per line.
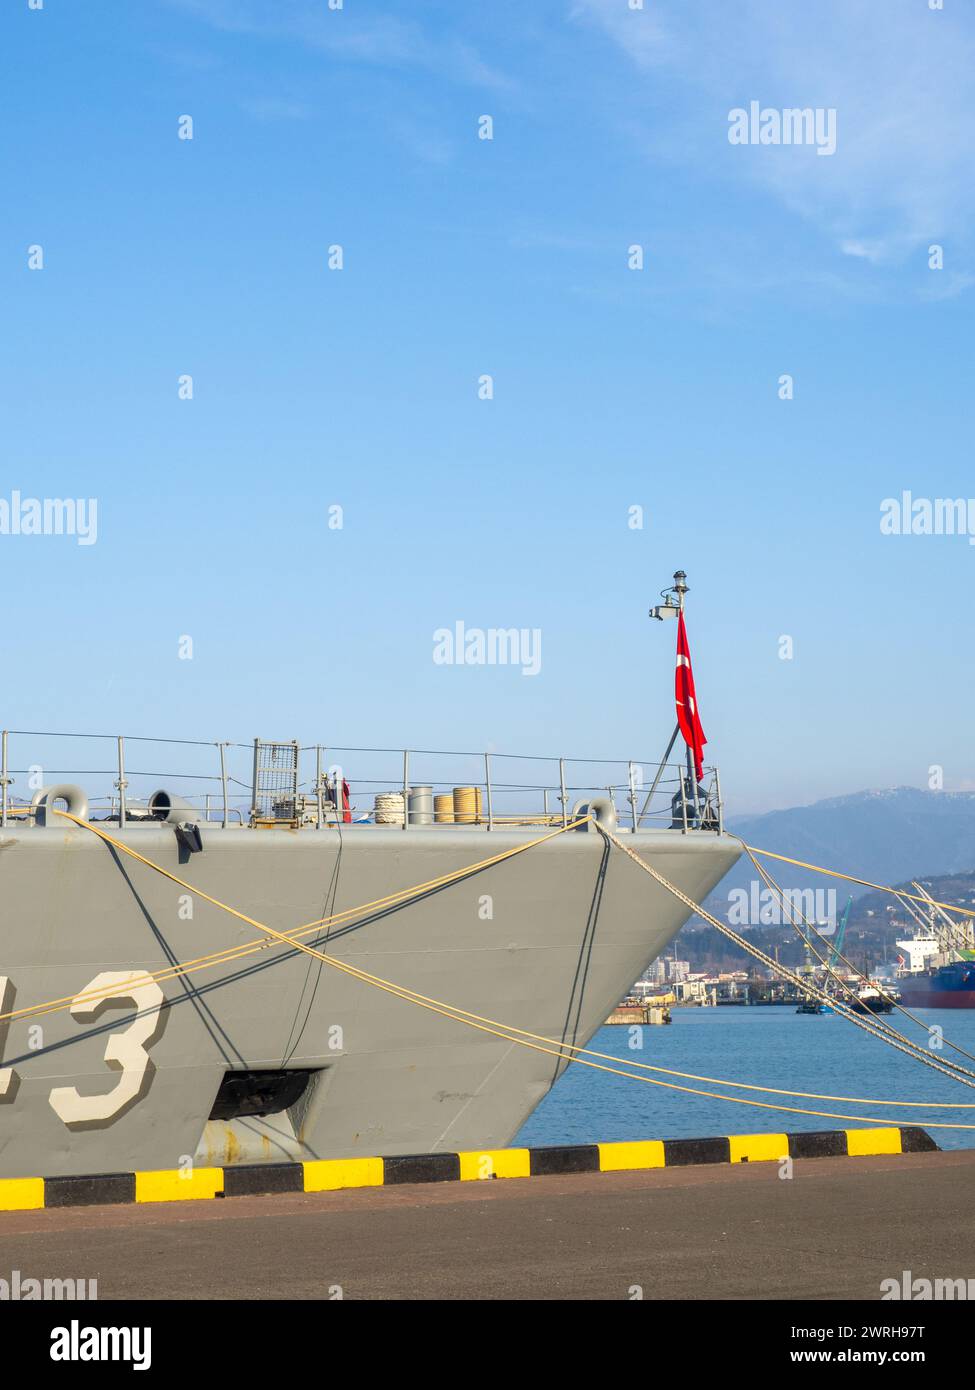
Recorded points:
947,285
423,141
898,74
273,109
351,34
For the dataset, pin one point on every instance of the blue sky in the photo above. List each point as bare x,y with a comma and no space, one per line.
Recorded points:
613,388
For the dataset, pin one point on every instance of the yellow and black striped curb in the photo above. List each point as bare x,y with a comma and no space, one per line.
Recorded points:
334,1174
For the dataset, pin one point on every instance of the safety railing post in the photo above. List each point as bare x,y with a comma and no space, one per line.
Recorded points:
683,796
406,787
121,783
692,779
223,784
632,795
4,779
255,781
562,796
318,786
717,795
487,780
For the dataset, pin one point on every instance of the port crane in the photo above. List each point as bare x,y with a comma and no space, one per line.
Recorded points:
837,950
947,938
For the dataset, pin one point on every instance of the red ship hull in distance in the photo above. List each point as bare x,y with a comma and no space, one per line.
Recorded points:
951,987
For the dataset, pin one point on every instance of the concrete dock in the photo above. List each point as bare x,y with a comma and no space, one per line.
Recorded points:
832,1231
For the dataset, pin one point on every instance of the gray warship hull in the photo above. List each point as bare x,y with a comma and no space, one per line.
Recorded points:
547,940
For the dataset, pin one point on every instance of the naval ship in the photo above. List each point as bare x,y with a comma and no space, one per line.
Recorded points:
119,1054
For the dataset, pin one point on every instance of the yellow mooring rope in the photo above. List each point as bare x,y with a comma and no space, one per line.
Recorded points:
864,882
521,1037
837,979
902,1044
308,928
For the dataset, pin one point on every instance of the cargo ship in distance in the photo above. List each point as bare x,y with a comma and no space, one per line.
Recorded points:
939,958
949,986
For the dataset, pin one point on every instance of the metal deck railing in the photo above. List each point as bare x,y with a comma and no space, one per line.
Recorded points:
219,779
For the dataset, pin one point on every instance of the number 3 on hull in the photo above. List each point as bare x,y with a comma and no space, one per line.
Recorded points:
125,1052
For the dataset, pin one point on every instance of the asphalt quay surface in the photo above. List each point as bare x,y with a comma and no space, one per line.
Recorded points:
833,1230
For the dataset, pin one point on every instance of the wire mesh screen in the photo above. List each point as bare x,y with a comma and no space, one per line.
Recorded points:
275,781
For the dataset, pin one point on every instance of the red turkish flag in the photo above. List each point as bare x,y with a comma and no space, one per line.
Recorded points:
687,715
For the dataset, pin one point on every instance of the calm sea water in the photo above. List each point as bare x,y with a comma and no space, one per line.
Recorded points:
773,1046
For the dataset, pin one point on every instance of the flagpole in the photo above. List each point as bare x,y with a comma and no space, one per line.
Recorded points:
680,588
670,609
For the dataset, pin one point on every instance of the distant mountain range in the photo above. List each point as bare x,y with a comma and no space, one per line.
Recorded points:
886,836
877,921
890,837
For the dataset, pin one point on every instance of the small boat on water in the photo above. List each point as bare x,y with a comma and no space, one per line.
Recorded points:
870,1000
